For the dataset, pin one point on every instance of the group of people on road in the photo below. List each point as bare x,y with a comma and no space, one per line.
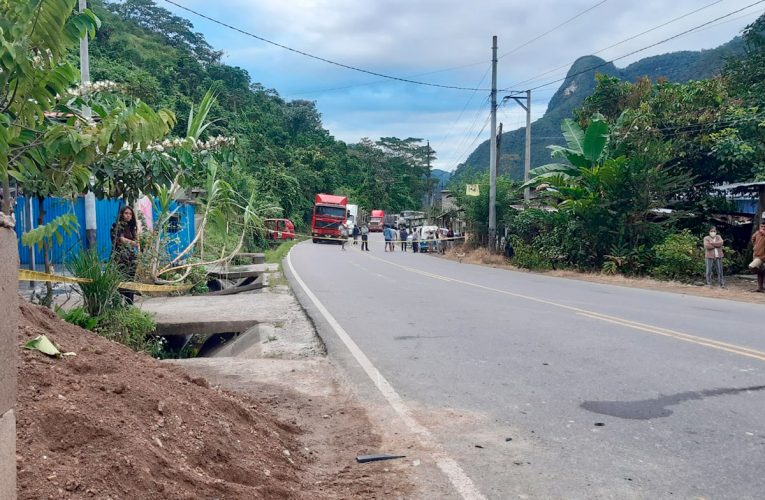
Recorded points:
713,254
431,241
357,231
391,236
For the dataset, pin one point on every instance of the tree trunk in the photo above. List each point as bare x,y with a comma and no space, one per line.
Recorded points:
6,208
46,301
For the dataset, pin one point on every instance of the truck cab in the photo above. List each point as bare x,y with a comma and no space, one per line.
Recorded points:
376,221
329,213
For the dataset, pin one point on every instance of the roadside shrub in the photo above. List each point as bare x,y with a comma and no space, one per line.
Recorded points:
629,261
132,327
101,293
78,316
679,257
198,278
528,257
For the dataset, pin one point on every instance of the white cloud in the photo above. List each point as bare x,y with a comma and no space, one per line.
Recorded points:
404,38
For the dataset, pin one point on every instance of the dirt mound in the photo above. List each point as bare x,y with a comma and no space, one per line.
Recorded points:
110,423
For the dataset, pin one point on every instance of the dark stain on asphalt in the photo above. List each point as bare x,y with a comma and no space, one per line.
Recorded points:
646,409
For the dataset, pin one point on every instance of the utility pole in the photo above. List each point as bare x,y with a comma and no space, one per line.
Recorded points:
527,151
527,155
493,149
90,197
430,178
499,145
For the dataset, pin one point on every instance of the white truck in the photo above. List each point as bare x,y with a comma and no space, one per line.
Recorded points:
353,215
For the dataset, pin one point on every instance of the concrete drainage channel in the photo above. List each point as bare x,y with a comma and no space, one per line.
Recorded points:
264,323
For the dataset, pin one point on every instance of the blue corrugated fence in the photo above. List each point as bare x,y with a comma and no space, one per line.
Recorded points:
181,226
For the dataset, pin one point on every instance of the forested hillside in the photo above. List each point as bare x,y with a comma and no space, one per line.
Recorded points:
578,85
284,151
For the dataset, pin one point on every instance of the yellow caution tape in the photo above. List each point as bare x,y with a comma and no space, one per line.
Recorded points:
145,287
27,275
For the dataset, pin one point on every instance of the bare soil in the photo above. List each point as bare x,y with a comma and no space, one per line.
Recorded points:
737,288
110,423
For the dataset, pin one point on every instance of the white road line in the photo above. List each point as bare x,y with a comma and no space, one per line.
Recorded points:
450,468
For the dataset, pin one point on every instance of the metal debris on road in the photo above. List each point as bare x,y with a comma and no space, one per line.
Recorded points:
362,459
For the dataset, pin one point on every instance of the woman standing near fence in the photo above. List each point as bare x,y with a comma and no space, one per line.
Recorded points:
125,246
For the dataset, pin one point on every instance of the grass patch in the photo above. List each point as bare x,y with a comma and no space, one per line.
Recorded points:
276,254
277,279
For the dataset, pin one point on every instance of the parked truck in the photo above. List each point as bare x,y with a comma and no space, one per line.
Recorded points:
353,217
376,220
329,212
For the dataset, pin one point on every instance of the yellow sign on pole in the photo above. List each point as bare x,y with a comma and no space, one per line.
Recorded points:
472,190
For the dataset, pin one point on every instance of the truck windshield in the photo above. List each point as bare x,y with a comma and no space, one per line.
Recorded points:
336,212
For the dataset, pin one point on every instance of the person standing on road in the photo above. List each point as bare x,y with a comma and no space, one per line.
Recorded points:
387,236
402,236
713,251
356,233
757,265
343,236
415,241
365,237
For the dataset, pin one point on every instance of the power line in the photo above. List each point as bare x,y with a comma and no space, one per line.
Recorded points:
647,47
466,136
687,14
470,99
318,58
465,152
516,49
539,76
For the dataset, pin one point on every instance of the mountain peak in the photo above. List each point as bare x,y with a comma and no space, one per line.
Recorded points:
578,84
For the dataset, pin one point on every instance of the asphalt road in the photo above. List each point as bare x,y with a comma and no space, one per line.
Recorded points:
542,387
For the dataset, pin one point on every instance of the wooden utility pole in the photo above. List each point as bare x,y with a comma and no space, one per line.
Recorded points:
493,149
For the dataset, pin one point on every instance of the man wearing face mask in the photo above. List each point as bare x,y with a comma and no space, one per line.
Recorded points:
713,250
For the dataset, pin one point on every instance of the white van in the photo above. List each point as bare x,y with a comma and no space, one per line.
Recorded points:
427,235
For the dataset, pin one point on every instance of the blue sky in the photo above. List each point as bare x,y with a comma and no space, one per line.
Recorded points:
445,42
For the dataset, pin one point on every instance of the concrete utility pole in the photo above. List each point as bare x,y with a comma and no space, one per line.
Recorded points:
90,197
527,155
493,149
499,145
527,152
430,179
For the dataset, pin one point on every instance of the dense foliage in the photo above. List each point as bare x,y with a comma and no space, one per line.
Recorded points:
635,186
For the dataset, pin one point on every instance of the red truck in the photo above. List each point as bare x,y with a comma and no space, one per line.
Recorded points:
376,220
329,212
